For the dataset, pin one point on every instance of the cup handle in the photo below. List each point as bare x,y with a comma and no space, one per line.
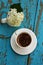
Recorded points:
4,20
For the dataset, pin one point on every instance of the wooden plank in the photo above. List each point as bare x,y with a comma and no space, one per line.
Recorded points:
32,26
3,51
37,55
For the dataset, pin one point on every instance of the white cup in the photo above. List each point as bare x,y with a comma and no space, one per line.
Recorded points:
22,30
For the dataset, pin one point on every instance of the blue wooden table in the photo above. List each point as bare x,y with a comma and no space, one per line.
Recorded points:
33,11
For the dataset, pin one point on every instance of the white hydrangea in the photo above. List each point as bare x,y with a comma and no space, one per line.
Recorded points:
14,18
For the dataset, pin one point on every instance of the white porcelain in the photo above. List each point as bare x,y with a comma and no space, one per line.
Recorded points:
4,20
23,50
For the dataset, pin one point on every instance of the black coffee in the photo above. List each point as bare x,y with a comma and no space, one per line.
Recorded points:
24,39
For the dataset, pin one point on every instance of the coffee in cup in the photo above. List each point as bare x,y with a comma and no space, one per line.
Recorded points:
24,39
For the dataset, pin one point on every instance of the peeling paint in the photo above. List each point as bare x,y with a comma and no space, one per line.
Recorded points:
30,0
27,15
10,1
0,20
38,20
35,16
4,37
29,60
42,43
2,5
42,55
30,27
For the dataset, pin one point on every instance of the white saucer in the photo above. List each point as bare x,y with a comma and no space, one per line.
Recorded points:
24,51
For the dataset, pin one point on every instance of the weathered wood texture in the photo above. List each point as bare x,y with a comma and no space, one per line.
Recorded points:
33,11
37,55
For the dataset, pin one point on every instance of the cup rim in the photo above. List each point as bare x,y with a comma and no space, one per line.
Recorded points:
20,45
